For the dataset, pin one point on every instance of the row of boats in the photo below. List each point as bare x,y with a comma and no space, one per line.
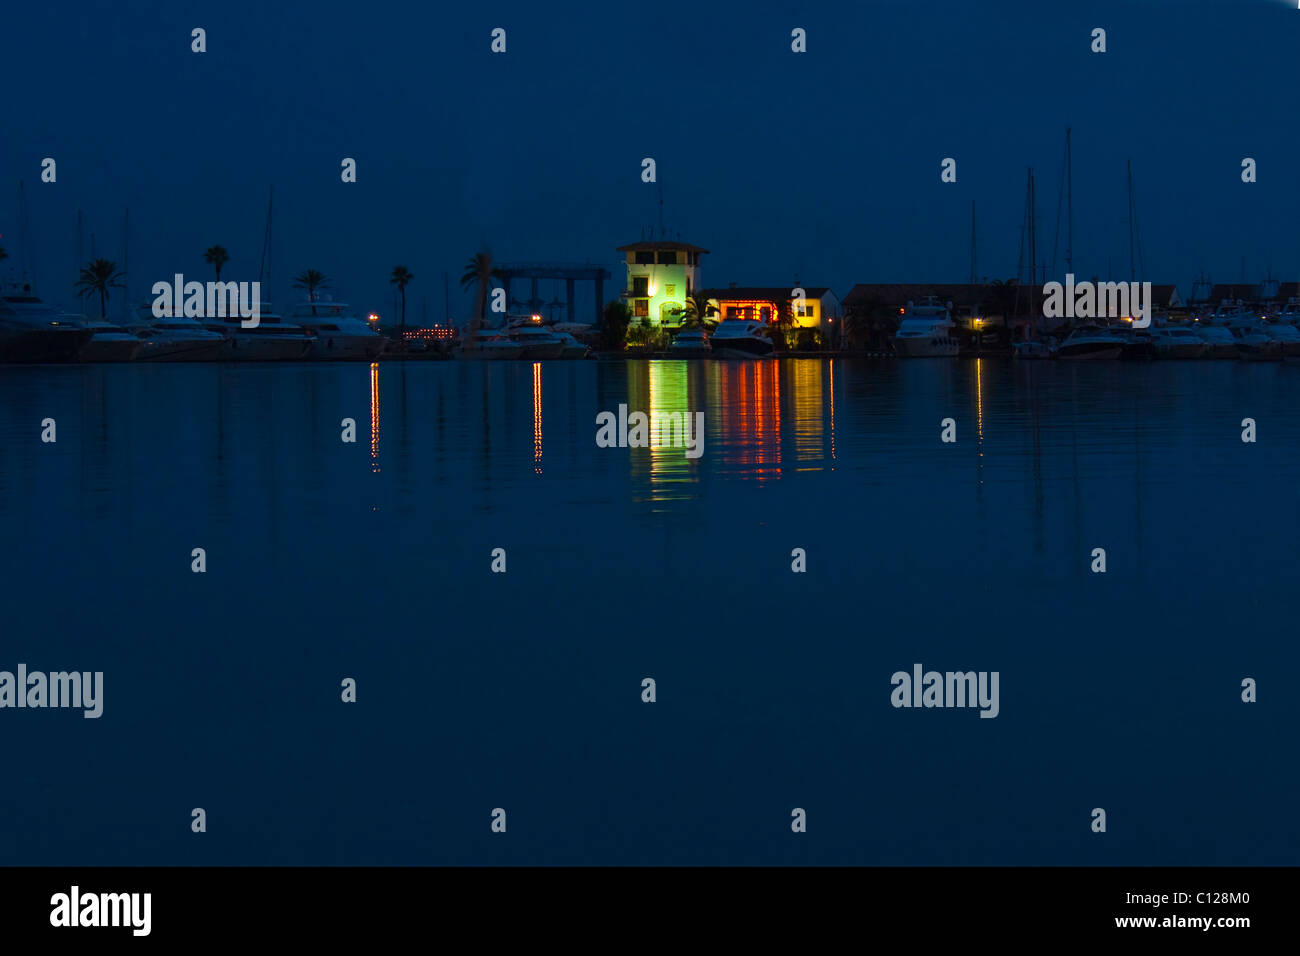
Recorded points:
1232,331
1259,341
34,331
521,337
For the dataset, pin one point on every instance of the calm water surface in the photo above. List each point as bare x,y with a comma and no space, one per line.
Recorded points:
477,690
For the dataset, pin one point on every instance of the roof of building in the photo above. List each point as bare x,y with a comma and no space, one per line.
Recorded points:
1233,290
961,294
753,293
900,293
660,244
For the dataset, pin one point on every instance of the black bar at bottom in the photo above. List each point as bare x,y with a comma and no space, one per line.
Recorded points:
340,904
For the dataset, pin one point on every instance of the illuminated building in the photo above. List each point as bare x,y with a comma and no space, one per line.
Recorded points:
661,276
819,308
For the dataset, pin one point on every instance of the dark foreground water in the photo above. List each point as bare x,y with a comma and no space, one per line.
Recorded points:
522,690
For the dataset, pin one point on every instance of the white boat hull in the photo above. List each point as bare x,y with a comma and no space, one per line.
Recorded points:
543,350
491,352
333,348
1089,352
926,347
245,347
113,347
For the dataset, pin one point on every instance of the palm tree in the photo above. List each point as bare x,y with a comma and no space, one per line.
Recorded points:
696,311
479,273
217,256
99,276
311,280
401,276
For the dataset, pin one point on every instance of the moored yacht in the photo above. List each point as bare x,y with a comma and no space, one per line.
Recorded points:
1178,341
487,345
927,331
1220,343
175,338
271,340
1091,342
1289,313
740,338
689,343
537,340
108,342
1286,335
1254,345
31,331
339,333
573,349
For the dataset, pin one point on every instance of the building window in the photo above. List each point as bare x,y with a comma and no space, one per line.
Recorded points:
670,290
765,313
645,258
640,308
668,258
640,285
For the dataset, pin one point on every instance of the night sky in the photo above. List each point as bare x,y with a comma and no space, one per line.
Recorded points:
822,165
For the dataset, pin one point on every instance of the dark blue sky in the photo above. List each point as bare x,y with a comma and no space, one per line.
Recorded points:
823,165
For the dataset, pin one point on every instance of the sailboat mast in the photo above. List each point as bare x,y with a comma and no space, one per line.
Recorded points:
1131,275
264,269
972,242
81,250
1069,205
126,264
25,237
1033,231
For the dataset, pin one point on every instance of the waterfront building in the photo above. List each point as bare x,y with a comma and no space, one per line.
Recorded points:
661,276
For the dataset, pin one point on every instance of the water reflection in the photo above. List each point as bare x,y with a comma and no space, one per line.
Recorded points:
374,417
749,411
537,417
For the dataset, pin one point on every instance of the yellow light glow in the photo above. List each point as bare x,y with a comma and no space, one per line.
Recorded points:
373,317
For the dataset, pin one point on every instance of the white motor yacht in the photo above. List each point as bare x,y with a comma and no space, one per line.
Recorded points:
339,332
271,340
1178,341
690,343
926,331
31,331
1219,342
573,349
537,340
487,345
1286,335
169,338
1091,342
1253,344
108,342
740,338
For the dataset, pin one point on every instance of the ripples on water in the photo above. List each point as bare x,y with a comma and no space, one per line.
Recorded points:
477,690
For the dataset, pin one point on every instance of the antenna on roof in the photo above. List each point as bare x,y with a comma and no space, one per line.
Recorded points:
661,210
